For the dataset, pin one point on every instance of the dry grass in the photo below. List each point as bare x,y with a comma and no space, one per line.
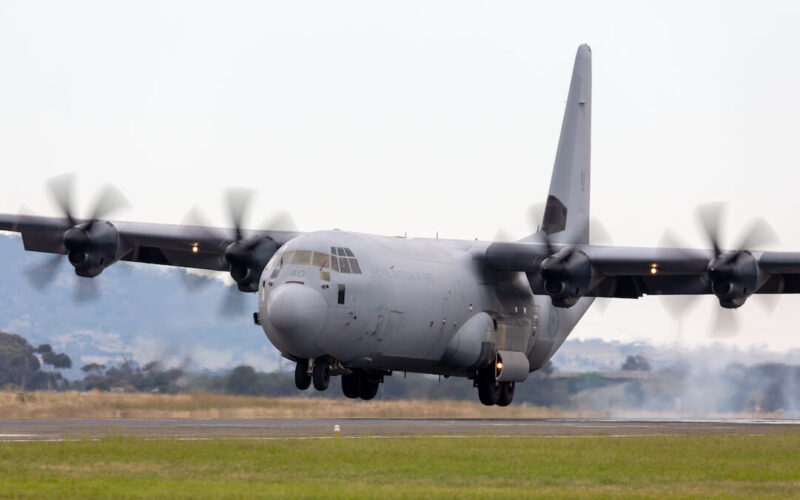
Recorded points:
204,405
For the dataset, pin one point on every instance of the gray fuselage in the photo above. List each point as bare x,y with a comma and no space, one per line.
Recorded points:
403,304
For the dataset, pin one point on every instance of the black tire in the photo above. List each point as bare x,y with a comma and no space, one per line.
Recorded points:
506,393
368,387
301,377
488,388
350,385
321,374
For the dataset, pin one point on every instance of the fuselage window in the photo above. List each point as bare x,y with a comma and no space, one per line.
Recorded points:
354,266
348,252
340,297
335,263
344,265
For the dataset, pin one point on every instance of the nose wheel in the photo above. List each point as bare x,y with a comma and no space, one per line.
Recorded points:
321,374
302,380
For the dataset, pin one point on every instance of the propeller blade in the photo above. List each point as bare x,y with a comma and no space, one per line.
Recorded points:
193,281
598,233
41,275
86,290
758,234
238,202
601,304
768,301
535,216
678,305
233,303
503,236
62,189
197,220
710,217
109,200
280,221
726,324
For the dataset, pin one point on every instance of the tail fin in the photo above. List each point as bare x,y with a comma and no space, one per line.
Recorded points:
566,214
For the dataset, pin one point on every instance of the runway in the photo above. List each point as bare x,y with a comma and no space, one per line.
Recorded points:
266,428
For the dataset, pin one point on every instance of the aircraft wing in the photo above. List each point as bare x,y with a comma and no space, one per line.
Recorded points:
197,247
569,272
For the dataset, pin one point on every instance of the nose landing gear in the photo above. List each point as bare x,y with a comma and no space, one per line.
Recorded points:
356,383
321,374
302,380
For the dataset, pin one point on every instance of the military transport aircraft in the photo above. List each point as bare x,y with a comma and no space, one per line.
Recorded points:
362,306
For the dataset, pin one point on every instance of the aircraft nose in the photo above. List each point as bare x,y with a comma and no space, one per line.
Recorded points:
296,310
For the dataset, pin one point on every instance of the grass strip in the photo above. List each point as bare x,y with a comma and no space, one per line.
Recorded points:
714,466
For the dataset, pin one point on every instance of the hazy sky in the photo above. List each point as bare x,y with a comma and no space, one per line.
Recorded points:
417,117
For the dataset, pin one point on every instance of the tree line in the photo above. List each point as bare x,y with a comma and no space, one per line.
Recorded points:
765,387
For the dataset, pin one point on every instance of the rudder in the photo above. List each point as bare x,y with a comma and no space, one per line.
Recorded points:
566,215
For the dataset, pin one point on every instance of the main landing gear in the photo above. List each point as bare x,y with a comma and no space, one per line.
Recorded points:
360,384
356,383
490,391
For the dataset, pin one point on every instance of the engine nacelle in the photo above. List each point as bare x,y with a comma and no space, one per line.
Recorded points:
91,247
734,277
248,258
568,275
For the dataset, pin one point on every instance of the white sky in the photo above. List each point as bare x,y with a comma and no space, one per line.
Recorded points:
417,117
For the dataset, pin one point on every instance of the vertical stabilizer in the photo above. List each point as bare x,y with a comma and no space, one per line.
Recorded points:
566,215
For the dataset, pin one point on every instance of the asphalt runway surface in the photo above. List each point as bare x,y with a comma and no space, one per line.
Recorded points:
310,428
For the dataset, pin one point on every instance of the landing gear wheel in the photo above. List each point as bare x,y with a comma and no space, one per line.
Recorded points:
488,388
350,384
301,377
321,374
506,393
368,387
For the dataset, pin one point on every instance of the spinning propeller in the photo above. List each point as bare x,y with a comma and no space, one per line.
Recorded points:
245,255
90,244
734,275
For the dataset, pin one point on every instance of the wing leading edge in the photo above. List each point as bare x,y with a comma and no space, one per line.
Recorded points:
196,247
569,272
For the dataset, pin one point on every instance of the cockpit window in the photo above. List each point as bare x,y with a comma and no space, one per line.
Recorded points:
301,258
286,258
320,260
341,260
345,262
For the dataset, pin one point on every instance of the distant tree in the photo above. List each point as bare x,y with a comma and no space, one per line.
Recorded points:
62,362
93,368
57,361
18,364
242,380
636,363
43,348
548,369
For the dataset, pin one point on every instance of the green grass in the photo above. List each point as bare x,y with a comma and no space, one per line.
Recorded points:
714,466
